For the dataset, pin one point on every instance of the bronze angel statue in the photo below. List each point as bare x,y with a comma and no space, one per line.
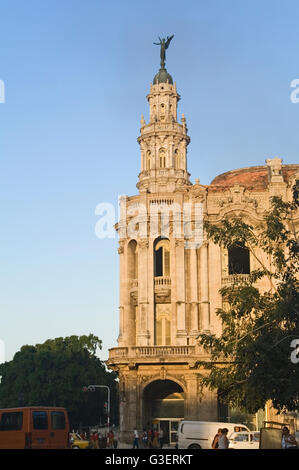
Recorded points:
164,43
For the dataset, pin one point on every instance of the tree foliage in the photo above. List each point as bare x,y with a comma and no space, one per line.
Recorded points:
54,374
251,359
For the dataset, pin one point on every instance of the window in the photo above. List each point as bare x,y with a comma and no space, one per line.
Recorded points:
133,260
11,421
40,419
176,159
58,420
162,258
238,259
148,160
162,158
163,324
242,438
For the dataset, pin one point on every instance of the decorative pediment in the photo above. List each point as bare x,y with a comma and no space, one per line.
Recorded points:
197,191
237,195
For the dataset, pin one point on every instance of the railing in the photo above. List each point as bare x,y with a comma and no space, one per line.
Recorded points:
235,279
158,351
118,352
162,281
164,201
151,351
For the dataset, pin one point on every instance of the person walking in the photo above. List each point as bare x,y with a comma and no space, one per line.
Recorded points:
155,440
144,439
222,439
150,438
110,439
136,439
161,437
215,443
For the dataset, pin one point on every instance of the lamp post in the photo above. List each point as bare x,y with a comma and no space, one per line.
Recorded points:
93,388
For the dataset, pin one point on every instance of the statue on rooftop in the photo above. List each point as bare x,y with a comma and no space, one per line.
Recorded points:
164,43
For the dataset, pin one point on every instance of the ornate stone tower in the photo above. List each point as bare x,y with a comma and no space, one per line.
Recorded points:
163,141
164,302
170,275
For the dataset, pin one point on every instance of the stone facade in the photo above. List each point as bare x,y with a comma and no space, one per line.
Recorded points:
169,288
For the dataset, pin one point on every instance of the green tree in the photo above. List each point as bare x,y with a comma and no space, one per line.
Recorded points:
54,374
251,360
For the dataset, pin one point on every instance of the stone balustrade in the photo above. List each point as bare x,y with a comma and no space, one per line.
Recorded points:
151,351
235,279
162,281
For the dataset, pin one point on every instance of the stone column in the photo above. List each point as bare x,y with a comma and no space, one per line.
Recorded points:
193,291
204,285
151,294
142,333
180,292
192,398
129,408
122,287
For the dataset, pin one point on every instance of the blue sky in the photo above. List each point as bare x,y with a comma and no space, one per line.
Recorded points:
76,77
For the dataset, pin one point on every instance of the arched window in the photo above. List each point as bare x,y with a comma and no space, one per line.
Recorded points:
162,258
238,259
162,158
133,260
176,159
148,160
163,324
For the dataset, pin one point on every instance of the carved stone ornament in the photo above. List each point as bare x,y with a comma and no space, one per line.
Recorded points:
179,242
163,373
238,195
121,247
134,297
198,192
162,295
142,244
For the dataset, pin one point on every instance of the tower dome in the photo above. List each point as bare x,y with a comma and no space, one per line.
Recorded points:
162,77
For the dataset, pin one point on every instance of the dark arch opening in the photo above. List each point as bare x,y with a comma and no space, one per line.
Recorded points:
161,257
163,407
238,259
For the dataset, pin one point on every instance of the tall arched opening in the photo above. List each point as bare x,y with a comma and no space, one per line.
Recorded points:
163,407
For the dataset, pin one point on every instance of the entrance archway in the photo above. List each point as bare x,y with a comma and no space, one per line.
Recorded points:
163,407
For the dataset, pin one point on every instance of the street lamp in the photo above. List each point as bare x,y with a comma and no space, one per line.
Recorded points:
92,388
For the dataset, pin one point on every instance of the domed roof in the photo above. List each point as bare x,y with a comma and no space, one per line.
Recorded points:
162,77
252,178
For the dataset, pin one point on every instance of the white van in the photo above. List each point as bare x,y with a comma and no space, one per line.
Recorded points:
200,434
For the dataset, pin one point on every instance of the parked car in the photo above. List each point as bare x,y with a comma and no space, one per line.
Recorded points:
200,434
244,440
76,441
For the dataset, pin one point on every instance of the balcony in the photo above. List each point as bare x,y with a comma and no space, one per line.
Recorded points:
235,279
156,354
162,287
162,281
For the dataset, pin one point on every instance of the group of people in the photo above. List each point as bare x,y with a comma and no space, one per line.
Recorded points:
150,439
100,441
221,441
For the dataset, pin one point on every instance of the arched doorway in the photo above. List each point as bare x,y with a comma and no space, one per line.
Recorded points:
163,407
